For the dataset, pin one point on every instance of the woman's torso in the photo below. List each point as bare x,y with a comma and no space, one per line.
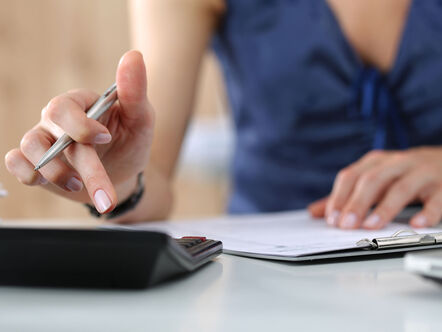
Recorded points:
306,98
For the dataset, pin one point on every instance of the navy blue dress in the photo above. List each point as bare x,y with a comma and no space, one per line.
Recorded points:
305,106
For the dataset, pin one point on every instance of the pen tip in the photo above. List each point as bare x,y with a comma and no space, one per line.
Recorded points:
37,168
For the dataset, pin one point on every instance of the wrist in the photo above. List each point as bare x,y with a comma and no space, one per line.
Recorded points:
125,189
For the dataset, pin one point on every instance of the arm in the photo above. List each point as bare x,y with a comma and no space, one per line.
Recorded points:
173,35
102,167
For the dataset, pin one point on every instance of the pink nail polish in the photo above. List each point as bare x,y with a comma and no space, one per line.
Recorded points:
102,201
333,218
372,221
421,221
43,181
102,139
349,221
74,184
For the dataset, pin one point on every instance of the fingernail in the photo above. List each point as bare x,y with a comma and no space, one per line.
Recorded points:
43,181
349,221
102,201
420,221
102,138
333,217
372,221
74,184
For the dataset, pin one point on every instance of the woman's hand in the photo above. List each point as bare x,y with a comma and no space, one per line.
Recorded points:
390,180
103,165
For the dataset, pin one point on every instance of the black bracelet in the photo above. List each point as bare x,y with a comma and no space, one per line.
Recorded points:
129,204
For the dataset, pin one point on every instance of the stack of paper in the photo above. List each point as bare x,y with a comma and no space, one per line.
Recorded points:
285,236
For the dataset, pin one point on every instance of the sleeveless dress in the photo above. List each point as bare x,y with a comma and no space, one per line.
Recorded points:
305,106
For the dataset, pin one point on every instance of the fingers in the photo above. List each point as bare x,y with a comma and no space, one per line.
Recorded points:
22,169
132,89
400,194
431,213
345,183
317,209
95,177
36,142
33,145
371,186
68,113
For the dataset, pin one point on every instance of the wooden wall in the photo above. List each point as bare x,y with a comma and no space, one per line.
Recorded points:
50,46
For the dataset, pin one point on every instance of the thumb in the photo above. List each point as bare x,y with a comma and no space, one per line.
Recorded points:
132,87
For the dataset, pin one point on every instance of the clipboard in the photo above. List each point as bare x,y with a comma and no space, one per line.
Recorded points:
396,243
295,236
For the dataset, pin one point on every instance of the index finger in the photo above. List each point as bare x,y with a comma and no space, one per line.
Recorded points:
345,182
85,160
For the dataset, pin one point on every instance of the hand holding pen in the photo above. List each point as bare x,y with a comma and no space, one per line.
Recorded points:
107,154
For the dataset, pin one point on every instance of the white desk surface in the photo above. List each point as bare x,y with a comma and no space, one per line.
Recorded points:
241,294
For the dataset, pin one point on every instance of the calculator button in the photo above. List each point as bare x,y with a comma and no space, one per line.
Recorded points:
202,238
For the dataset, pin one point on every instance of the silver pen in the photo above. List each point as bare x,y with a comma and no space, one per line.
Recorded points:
95,111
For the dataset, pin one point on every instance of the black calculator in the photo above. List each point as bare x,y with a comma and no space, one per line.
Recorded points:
103,258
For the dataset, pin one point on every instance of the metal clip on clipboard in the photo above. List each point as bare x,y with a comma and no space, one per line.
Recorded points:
398,241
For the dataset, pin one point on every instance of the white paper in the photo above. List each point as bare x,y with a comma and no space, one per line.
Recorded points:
288,234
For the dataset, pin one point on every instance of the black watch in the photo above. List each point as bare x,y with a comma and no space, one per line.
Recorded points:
129,204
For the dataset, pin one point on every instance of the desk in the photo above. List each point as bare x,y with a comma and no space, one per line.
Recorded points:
241,294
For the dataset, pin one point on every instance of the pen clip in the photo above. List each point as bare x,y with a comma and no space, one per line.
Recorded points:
103,103
111,89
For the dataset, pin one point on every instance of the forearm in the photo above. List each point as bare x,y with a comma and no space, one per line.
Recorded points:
173,35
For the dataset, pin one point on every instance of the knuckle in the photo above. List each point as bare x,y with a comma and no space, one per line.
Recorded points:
356,203
51,114
385,210
92,181
11,158
392,203
369,178
400,157
29,141
83,134
12,161
375,154
56,176
401,188
53,108
346,174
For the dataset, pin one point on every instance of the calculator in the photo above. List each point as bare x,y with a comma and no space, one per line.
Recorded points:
99,258
427,264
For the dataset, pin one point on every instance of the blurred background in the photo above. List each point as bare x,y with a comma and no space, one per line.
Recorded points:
50,46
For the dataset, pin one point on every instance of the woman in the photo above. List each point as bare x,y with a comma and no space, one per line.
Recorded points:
317,88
